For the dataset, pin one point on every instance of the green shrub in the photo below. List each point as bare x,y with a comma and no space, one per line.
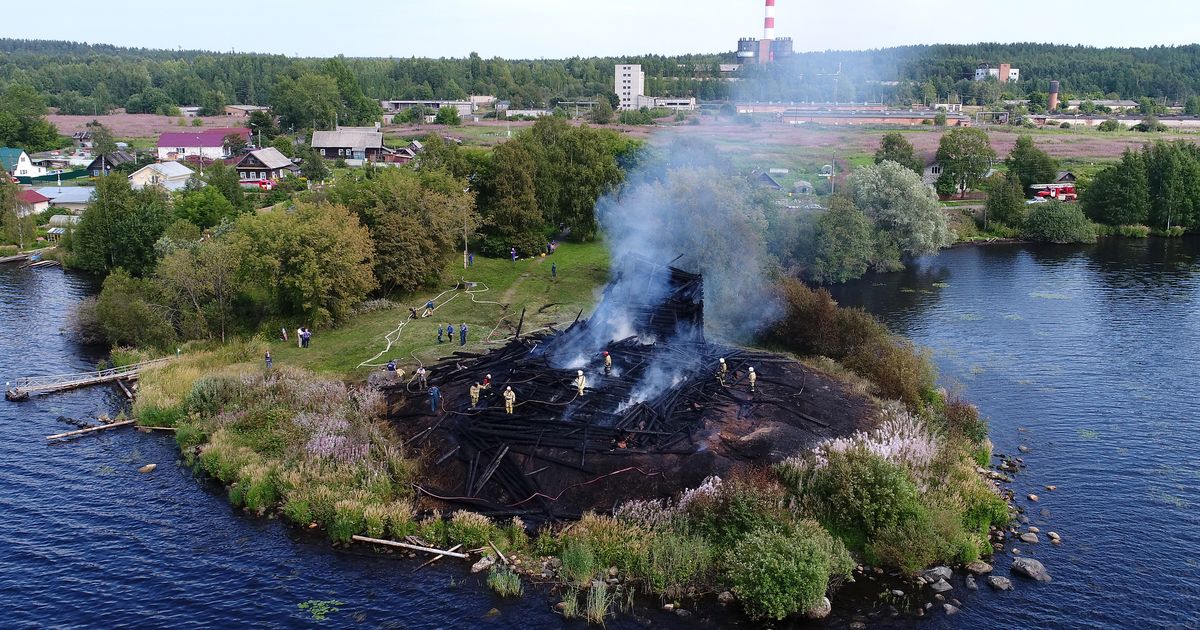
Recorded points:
435,530
514,532
1131,231
578,562
1057,222
400,519
775,573
471,529
1174,232
1111,125
677,560
598,602
962,418
297,510
749,500
156,417
860,494
187,437
374,520
211,394
504,582
347,520
260,483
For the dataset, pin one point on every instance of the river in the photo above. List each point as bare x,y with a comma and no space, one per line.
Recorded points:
1085,354
1090,357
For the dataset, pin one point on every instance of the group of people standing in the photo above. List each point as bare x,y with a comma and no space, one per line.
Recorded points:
449,332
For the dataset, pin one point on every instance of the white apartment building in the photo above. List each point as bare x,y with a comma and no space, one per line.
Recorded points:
629,82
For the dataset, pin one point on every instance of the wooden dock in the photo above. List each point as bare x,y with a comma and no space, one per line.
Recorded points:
23,388
25,256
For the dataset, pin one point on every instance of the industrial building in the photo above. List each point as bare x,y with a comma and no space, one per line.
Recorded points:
629,82
1004,73
768,49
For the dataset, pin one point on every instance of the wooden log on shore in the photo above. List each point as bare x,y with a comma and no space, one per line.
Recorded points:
90,429
436,558
393,543
124,389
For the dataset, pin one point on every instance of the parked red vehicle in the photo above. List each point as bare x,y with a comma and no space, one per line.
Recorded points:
1061,192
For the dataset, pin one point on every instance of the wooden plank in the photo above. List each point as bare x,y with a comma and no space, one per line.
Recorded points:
436,558
91,429
393,543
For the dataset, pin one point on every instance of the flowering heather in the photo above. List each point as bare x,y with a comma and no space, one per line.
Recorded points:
649,514
709,489
902,439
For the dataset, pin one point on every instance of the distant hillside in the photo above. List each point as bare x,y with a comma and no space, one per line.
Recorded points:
84,78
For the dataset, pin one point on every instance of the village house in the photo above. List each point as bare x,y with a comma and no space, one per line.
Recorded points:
103,165
169,175
244,111
72,199
350,143
31,202
18,164
265,165
205,143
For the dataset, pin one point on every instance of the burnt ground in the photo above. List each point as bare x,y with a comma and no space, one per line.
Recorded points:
551,459
659,421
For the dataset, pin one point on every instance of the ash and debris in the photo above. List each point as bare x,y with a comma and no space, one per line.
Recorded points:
659,420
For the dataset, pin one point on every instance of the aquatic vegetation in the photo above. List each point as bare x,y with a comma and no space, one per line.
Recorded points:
970,317
1013,317
1049,296
598,602
570,601
504,582
320,609
1088,434
942,285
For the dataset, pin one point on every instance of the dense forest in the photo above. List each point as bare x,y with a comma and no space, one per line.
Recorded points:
93,78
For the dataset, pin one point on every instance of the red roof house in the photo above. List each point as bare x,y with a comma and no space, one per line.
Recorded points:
205,143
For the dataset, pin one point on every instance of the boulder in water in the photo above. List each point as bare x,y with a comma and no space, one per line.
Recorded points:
1030,568
148,468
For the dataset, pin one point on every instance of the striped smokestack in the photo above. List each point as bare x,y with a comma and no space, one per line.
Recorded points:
769,21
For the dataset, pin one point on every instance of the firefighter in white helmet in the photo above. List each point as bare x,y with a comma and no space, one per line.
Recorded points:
753,378
607,362
510,398
722,371
580,381
474,395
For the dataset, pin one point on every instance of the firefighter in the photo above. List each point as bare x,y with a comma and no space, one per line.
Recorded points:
487,382
474,395
510,399
607,363
580,381
422,376
753,378
435,398
722,370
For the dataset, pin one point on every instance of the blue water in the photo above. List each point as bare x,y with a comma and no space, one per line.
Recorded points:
1089,356
87,541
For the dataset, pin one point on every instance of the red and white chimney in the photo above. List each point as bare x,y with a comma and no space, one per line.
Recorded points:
769,21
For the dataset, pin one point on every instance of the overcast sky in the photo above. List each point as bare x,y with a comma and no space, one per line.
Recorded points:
566,28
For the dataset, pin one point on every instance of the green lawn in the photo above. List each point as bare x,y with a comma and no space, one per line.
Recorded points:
504,289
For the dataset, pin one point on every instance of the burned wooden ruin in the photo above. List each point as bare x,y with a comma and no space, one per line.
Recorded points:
658,421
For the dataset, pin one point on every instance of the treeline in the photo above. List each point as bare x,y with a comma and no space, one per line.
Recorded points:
1157,187
945,73
90,79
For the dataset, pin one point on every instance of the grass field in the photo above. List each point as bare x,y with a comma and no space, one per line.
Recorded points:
503,289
